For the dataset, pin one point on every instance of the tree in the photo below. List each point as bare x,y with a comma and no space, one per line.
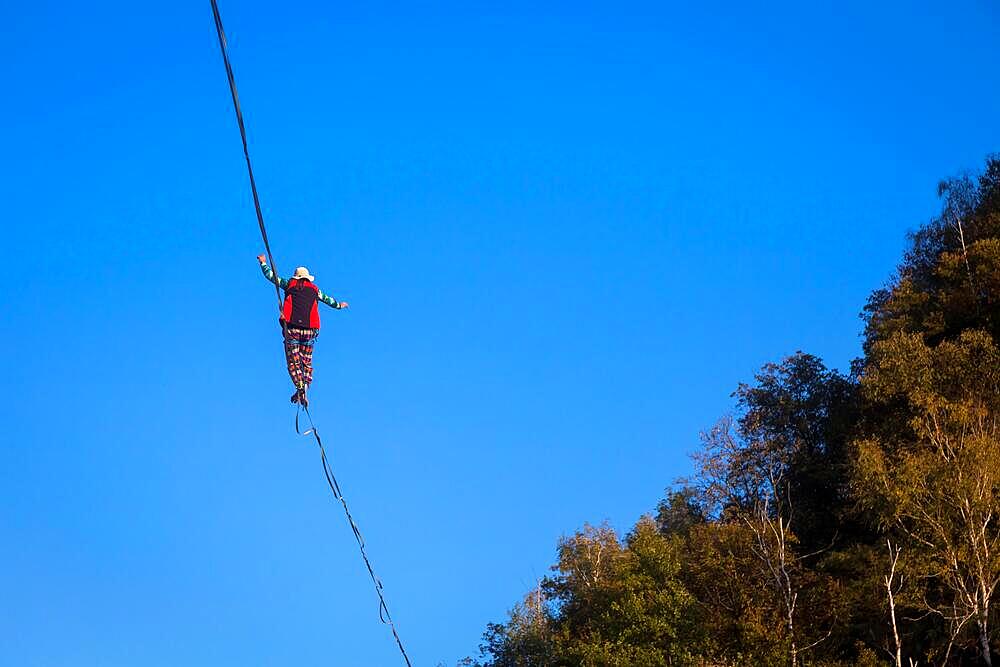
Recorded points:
609,604
744,475
938,483
743,617
949,280
643,616
799,415
679,511
526,639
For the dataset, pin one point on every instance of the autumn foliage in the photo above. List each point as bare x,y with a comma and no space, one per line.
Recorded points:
832,519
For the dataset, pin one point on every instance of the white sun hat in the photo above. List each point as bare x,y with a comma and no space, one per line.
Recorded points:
302,272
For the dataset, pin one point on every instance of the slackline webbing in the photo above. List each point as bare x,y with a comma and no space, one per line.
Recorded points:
331,480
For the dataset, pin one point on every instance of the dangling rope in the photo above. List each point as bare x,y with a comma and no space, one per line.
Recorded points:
331,480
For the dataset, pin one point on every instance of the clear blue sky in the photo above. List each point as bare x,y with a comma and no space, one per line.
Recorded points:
566,234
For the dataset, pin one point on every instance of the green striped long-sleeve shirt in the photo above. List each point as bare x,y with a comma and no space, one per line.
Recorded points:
282,283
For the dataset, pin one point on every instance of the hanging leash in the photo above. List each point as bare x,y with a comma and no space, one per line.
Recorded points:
331,480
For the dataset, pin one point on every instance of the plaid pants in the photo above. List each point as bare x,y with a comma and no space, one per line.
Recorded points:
299,355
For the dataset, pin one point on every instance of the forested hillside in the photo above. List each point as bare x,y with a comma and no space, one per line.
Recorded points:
834,518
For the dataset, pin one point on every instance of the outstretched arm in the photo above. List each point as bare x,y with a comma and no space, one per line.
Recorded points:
269,274
330,301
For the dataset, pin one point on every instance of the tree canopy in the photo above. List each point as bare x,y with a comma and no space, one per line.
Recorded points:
831,519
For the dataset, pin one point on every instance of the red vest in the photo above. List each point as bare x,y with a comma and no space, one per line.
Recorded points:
300,308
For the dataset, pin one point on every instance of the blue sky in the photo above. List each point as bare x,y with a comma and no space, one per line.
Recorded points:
567,232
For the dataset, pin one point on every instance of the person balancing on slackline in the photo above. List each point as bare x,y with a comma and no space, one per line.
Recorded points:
300,323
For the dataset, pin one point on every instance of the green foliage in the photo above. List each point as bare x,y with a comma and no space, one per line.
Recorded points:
947,280
722,573
679,512
833,520
608,604
937,486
